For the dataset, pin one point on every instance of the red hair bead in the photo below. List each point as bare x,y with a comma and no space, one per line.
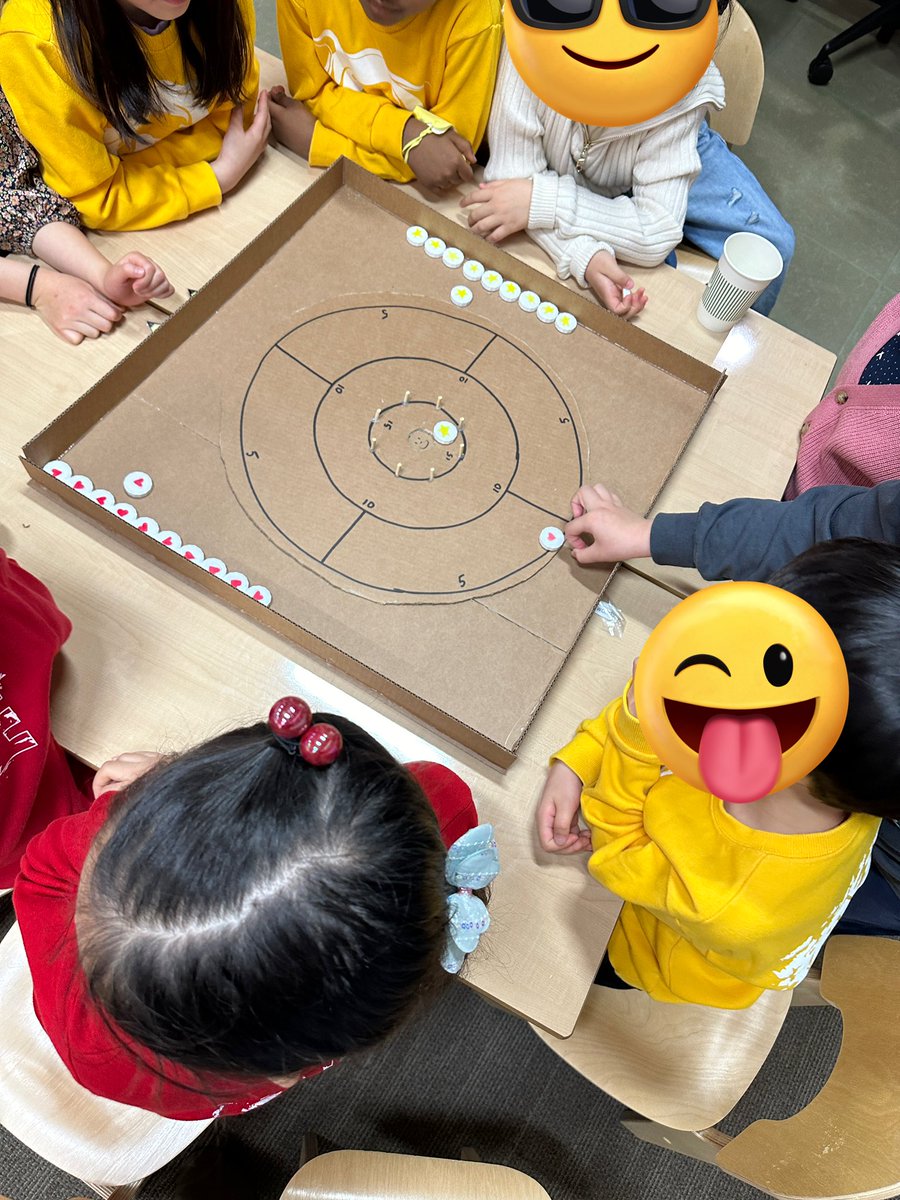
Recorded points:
321,744
290,717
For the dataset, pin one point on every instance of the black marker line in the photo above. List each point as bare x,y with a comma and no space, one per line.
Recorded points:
343,535
479,354
539,507
304,365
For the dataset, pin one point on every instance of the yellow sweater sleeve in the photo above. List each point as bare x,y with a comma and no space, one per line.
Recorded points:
369,129
361,126
138,191
468,84
612,758
159,183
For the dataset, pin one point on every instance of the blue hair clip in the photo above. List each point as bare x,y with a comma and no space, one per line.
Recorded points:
472,862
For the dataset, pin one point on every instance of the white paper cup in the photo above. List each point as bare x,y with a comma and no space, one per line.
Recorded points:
748,265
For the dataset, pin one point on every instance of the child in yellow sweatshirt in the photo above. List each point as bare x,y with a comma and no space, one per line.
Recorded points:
723,901
84,295
402,87
134,105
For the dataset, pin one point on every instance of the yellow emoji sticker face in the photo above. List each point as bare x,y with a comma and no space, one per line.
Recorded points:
610,62
741,690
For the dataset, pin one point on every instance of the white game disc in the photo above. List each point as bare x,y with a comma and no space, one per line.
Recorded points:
192,553
102,497
137,484
169,538
452,257
80,483
551,538
435,248
215,566
257,591
473,270
547,312
445,433
491,281
461,296
58,469
147,525
566,323
529,301
510,291
416,235
237,580
126,511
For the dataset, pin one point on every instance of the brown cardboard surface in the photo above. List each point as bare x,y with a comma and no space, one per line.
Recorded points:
254,410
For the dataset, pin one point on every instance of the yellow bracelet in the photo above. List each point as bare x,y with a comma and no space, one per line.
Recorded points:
432,123
411,145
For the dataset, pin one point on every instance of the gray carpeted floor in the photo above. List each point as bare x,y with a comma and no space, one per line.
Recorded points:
468,1074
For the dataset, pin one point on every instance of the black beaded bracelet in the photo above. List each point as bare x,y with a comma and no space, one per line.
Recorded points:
30,288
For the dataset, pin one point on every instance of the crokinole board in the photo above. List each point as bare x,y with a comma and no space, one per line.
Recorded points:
401,516
375,464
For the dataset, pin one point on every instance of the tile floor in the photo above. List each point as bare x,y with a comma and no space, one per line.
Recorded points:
829,156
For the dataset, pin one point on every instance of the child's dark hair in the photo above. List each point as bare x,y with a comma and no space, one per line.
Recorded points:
250,915
855,585
102,51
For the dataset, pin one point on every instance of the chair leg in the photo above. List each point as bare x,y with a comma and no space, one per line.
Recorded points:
703,1144
808,992
883,19
123,1191
309,1148
885,14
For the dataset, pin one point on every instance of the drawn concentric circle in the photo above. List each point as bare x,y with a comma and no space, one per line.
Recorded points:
356,486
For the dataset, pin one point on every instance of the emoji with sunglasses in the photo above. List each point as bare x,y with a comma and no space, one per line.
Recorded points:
611,62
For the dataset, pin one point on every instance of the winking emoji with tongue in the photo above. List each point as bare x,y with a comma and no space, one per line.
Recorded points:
741,690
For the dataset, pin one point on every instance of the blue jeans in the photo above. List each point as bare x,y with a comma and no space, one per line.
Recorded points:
725,198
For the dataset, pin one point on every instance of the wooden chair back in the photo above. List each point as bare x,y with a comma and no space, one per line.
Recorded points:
845,1145
683,1065
739,56
42,1105
371,1175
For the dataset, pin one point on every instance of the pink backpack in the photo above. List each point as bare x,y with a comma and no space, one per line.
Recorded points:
853,433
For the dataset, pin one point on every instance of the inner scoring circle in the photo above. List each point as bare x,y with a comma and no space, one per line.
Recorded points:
367,476
411,442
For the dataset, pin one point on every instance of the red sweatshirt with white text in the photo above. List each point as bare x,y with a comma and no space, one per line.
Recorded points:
38,781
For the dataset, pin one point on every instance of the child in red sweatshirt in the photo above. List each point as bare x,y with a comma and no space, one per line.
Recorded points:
39,781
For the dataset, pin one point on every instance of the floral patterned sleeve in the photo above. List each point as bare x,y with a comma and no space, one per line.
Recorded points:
26,203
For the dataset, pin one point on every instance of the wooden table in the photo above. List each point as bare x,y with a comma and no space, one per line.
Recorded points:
153,663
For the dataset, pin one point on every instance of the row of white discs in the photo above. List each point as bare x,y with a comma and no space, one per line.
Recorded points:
138,484
491,281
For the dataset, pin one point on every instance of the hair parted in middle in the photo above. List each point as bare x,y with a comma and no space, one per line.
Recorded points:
249,914
102,51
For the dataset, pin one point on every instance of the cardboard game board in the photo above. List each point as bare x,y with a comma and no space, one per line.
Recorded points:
371,466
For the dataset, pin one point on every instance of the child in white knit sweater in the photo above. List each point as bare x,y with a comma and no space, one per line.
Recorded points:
590,196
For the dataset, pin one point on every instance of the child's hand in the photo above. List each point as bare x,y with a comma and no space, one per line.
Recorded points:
122,770
557,815
440,161
72,308
609,283
292,121
501,208
133,280
242,147
617,533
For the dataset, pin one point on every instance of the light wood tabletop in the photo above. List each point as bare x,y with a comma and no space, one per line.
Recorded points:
154,663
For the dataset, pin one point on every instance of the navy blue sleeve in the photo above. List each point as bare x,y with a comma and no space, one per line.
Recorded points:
749,539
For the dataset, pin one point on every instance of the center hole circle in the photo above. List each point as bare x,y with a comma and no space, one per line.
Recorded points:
404,433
